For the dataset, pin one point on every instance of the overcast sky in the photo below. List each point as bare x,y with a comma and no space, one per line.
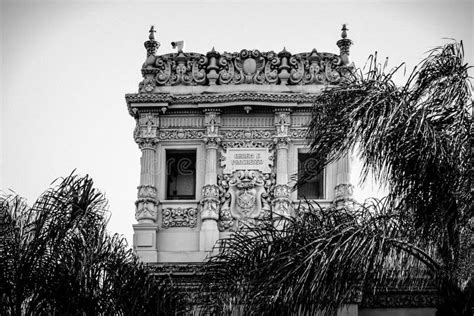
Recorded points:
65,67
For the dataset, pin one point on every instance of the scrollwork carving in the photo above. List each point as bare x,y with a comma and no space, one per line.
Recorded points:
244,67
248,134
244,198
181,134
179,217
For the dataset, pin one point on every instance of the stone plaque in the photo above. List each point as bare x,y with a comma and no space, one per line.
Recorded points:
246,159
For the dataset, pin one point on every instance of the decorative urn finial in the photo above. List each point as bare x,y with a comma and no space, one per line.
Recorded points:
151,45
344,45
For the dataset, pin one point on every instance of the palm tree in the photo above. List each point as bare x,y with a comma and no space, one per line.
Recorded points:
416,140
56,257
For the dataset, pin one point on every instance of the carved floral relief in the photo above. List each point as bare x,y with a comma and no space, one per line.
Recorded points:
179,217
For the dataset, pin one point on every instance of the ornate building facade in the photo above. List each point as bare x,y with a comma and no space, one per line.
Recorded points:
222,135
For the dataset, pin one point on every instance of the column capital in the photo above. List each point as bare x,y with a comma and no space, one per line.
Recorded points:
146,143
281,142
212,142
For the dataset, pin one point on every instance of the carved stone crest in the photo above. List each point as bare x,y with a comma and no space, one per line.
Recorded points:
244,197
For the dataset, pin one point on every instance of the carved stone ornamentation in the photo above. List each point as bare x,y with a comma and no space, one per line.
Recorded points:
145,211
244,67
298,133
343,191
282,142
172,99
181,134
179,217
147,125
146,204
210,202
248,134
281,203
146,143
401,300
247,144
244,197
212,121
343,195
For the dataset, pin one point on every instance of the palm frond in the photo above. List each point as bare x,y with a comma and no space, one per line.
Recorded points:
319,260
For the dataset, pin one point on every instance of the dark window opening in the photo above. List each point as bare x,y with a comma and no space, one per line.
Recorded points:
180,174
314,187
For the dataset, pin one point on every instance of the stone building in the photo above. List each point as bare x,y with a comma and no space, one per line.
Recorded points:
222,136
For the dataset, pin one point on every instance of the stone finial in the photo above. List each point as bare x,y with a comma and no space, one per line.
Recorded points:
344,31
151,45
152,33
344,45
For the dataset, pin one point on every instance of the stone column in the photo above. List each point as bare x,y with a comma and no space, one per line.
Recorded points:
281,204
344,189
147,198
209,203
147,201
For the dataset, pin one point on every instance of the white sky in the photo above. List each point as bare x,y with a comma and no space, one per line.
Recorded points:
65,67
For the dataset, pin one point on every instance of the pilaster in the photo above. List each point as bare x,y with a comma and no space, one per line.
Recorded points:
281,203
145,231
209,203
343,191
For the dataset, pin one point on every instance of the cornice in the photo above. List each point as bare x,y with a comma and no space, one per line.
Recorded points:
151,100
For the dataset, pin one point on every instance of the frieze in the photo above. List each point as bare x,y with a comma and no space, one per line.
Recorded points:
182,120
179,217
298,133
244,67
181,134
247,144
248,134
